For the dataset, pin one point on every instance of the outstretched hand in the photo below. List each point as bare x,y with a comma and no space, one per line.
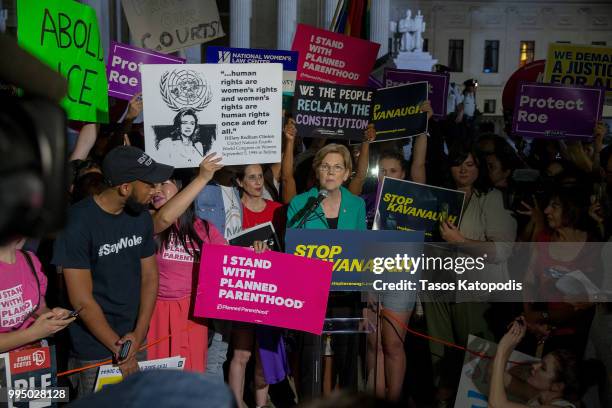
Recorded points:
209,166
513,336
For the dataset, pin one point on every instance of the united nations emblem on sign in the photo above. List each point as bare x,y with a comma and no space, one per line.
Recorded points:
184,88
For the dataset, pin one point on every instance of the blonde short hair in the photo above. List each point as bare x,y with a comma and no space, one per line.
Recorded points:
333,148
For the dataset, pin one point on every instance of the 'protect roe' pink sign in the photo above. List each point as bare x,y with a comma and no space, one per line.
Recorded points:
325,56
270,288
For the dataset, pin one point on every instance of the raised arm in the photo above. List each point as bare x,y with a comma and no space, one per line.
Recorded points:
598,136
176,206
497,393
134,109
361,172
85,142
288,186
418,174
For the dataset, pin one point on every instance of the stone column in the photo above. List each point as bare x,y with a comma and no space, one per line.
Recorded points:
328,13
379,25
287,22
240,23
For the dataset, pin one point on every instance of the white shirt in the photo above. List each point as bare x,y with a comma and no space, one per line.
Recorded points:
177,152
469,105
231,204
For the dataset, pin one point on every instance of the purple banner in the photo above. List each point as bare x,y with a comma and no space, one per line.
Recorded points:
556,111
438,85
123,68
374,83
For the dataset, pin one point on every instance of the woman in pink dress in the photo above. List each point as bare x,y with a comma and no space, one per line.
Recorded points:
180,236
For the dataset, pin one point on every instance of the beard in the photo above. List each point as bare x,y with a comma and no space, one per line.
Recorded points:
134,207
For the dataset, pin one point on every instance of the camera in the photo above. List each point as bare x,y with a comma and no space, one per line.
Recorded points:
33,168
526,185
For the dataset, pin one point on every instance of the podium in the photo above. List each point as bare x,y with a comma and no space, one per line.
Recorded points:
321,357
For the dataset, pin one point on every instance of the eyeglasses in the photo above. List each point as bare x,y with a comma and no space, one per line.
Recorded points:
254,177
325,168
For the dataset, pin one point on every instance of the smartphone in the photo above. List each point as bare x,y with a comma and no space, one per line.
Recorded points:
125,350
74,313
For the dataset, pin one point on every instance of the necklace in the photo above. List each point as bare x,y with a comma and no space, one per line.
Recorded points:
230,196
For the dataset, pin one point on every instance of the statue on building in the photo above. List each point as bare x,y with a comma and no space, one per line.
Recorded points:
404,27
419,26
408,42
411,30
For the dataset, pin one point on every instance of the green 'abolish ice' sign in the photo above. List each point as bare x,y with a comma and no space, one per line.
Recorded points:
65,36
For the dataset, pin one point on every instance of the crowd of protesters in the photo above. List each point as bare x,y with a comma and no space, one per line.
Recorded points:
128,257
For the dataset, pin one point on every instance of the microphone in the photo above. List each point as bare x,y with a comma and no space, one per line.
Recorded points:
311,207
320,197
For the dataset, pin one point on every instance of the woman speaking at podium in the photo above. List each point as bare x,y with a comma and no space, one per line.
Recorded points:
330,206
339,208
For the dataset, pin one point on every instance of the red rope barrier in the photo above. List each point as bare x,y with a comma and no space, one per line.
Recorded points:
392,316
95,365
388,313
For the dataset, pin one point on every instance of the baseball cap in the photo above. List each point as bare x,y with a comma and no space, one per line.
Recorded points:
125,164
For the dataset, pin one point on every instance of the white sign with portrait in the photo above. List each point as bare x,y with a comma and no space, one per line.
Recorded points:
233,110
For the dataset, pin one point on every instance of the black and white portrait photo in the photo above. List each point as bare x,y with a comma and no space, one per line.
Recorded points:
186,140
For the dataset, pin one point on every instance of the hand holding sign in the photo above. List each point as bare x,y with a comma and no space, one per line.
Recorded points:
209,166
134,107
426,107
290,131
598,134
370,134
260,246
450,233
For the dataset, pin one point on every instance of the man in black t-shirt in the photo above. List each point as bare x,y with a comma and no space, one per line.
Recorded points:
108,256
